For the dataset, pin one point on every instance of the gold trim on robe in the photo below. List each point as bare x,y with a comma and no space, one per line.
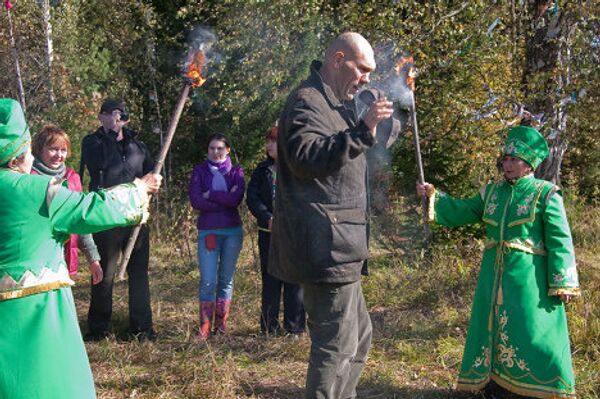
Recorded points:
30,284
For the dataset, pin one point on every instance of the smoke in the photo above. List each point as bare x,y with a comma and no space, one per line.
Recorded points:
390,81
395,68
201,39
392,224
397,87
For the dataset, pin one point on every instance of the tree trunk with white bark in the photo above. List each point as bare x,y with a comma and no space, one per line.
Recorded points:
546,78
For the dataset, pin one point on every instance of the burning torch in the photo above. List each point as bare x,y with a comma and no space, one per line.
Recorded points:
193,78
403,92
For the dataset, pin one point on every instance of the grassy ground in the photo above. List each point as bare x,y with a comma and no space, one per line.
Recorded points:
419,304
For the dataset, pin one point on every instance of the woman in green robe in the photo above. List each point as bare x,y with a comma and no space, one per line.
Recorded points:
42,355
517,336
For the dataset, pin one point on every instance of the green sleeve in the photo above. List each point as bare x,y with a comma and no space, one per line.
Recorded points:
84,213
562,271
454,212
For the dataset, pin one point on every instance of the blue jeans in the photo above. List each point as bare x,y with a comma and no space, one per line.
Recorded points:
217,266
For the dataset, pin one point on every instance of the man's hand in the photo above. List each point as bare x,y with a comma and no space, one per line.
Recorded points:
152,181
119,125
378,111
97,273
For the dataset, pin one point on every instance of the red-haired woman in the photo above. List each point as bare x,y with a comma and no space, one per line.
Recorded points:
259,197
51,148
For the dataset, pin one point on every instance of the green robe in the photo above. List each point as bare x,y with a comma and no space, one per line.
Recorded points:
42,354
518,332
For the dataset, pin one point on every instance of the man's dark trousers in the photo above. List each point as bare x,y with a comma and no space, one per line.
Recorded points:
340,330
110,245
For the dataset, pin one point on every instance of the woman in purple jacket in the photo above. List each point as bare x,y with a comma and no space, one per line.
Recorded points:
216,190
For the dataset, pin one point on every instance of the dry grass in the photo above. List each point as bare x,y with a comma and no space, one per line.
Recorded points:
419,307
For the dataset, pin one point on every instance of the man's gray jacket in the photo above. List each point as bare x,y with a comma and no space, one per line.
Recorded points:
320,218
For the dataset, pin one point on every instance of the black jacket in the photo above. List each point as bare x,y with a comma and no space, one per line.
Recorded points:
320,219
259,196
111,162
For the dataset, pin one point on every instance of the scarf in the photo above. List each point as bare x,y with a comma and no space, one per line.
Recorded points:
42,169
219,170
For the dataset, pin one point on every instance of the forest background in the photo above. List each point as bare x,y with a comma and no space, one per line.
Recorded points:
481,66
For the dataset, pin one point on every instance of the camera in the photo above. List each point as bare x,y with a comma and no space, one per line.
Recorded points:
124,116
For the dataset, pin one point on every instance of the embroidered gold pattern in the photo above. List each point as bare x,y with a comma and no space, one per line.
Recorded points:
519,149
123,196
571,274
492,205
569,277
484,359
507,354
526,246
531,217
510,148
558,277
525,206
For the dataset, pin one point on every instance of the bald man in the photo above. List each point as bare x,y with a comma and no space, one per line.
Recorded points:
319,237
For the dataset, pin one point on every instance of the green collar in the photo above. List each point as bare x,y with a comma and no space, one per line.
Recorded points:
521,181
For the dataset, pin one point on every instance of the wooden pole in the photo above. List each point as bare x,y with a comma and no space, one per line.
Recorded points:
157,169
420,172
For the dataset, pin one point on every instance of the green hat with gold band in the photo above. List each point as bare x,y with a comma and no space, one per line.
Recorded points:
14,132
526,143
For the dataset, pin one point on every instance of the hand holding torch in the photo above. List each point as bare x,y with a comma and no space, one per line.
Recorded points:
193,78
403,90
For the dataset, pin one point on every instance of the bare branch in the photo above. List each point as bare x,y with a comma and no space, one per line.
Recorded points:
450,15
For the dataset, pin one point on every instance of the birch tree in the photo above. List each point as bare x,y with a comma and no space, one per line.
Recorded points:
45,4
546,77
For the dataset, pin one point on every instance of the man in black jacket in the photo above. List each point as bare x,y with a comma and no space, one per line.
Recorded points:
319,234
113,155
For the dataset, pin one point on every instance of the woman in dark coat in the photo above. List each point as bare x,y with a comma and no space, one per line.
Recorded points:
259,198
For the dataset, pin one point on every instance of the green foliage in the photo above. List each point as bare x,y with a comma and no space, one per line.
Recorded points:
581,168
134,50
260,44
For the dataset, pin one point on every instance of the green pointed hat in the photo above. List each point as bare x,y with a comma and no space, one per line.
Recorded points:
14,132
526,143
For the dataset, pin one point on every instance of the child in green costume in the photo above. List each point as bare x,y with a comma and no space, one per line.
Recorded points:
518,334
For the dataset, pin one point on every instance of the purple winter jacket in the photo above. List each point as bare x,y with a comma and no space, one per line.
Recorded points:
220,209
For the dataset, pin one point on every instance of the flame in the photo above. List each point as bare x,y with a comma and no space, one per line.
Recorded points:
407,62
194,70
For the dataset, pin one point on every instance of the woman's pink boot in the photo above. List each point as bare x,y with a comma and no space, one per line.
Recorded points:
221,315
206,314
